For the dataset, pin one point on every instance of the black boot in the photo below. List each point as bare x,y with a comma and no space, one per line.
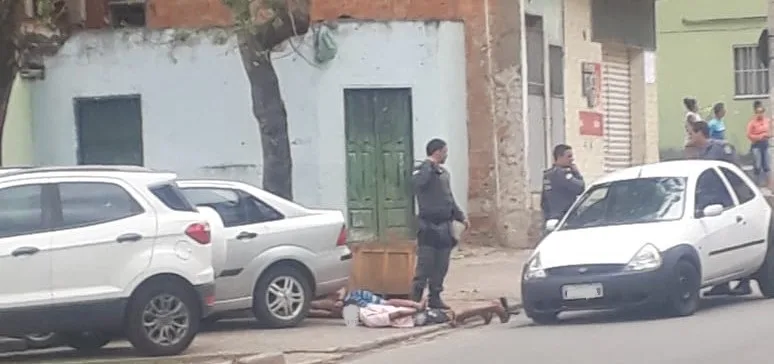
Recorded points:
742,289
437,303
417,293
720,290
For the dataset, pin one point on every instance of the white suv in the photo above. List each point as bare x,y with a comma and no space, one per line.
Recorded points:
93,253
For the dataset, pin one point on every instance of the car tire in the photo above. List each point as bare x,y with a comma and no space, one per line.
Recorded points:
88,341
296,287
544,318
683,287
173,308
42,340
765,275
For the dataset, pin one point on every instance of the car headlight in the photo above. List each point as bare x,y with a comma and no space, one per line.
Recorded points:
647,258
534,269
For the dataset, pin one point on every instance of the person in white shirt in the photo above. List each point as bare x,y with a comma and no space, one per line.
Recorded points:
691,116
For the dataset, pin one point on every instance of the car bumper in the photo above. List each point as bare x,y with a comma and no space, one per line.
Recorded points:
333,272
206,295
620,290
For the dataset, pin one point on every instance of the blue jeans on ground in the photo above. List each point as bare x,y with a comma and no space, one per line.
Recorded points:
761,163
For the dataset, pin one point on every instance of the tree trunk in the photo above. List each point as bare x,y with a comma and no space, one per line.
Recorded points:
269,110
8,29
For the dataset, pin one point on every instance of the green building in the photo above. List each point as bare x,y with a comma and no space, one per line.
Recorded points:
707,49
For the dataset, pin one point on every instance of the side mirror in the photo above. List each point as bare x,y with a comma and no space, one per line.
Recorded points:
713,210
551,224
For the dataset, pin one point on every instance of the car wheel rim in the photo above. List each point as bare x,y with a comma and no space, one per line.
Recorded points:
166,320
285,297
40,336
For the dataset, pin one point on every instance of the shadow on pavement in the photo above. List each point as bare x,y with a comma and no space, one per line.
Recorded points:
119,348
599,317
64,355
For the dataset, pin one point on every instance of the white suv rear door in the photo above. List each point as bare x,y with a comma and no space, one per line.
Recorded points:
104,239
25,247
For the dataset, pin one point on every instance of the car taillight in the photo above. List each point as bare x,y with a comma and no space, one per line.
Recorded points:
199,232
342,240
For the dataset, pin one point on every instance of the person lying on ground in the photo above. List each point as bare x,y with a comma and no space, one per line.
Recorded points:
375,315
487,312
331,306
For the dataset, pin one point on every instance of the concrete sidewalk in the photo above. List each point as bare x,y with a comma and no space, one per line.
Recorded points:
475,275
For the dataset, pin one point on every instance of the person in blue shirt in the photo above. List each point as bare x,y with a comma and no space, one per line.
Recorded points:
717,127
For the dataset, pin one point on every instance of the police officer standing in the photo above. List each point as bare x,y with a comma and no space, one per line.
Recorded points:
562,184
437,211
719,150
710,149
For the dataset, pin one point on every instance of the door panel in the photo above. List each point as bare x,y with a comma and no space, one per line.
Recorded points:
379,161
393,125
109,130
103,227
362,165
752,222
26,278
720,232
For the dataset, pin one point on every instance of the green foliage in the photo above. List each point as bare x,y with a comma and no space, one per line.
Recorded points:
48,11
240,9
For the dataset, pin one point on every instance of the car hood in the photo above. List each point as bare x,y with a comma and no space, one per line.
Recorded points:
605,245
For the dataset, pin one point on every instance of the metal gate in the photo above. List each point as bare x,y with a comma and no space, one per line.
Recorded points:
616,100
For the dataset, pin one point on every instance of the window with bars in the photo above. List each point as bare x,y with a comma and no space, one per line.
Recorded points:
751,78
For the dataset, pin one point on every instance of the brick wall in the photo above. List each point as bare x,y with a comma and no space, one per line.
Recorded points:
497,201
187,14
495,130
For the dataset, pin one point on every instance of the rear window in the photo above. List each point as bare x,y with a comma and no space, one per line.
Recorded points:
171,196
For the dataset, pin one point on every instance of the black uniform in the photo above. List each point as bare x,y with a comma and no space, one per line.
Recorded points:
437,211
561,186
718,150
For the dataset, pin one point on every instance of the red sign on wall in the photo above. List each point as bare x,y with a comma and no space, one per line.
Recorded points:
591,123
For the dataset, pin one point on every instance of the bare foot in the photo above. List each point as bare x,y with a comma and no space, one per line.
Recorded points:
422,304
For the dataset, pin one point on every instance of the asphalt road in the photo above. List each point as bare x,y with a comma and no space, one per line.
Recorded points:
726,330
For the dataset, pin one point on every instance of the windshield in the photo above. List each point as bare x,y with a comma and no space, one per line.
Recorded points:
633,201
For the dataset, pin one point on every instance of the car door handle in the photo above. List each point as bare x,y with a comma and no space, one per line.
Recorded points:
739,219
129,238
245,235
25,250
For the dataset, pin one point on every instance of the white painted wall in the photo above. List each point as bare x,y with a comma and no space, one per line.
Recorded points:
17,131
196,106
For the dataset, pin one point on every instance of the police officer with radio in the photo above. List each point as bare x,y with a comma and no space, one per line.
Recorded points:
437,212
562,184
719,150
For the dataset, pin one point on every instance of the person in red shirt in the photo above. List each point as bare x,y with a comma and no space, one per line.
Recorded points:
758,133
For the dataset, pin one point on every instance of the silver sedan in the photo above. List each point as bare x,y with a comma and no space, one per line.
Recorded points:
279,255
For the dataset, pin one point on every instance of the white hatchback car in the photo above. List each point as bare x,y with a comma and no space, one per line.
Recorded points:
92,253
652,235
280,255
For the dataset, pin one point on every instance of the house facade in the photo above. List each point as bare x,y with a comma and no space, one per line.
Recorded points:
708,50
501,81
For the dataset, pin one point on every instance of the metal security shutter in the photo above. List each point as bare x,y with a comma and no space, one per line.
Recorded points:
616,100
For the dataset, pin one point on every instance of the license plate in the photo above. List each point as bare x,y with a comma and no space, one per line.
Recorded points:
582,291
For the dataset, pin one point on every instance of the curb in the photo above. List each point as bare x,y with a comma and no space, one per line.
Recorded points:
268,358
389,340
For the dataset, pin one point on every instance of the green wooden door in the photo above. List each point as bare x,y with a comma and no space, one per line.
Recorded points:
379,161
